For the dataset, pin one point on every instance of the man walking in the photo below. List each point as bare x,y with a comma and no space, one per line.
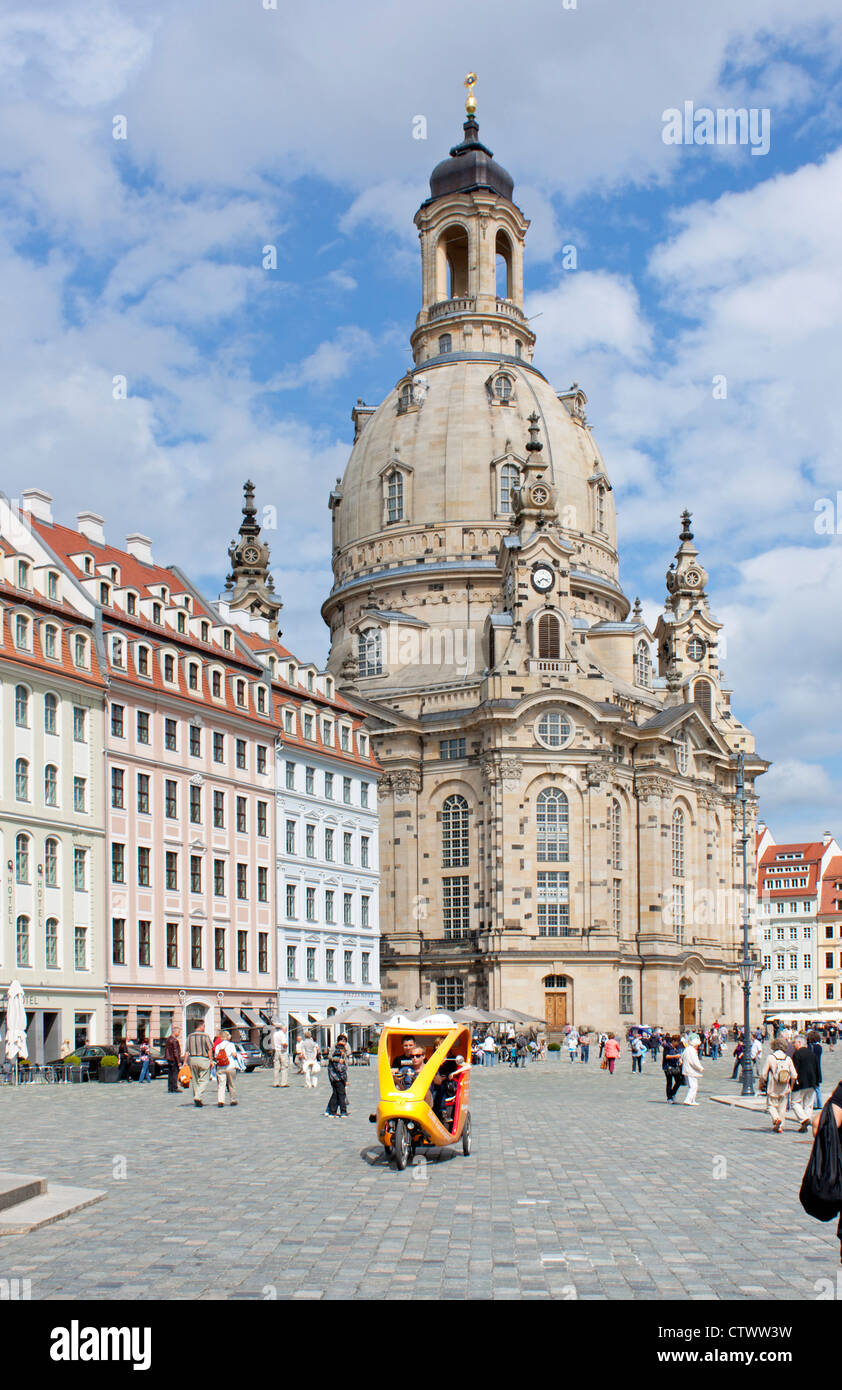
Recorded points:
174,1058
199,1056
489,1050
806,1065
777,1079
584,1045
337,1075
309,1051
280,1049
691,1068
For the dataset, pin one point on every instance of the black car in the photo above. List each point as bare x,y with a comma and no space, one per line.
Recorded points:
157,1062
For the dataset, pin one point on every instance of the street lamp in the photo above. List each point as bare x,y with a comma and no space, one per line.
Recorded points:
747,965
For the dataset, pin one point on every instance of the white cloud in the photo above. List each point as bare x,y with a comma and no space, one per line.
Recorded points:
330,360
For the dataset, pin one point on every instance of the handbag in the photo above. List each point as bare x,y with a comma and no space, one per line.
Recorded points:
821,1186
316,1068
185,1075
603,1066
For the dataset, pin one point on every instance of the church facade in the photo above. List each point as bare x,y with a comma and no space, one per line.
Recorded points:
558,825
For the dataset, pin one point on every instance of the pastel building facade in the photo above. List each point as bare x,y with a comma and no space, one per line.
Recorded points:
799,911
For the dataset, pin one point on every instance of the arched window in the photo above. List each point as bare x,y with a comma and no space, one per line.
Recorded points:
553,817
682,752
22,859
518,348
406,397
615,826
678,843
394,495
445,343
455,841
509,479
549,637
22,941
50,713
626,994
642,665
702,697
22,706
51,863
450,993
503,388
370,652
503,259
51,785
453,263
22,779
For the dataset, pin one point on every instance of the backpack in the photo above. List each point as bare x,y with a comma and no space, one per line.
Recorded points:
222,1058
821,1186
782,1073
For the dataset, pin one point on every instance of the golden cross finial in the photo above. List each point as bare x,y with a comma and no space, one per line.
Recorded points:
470,100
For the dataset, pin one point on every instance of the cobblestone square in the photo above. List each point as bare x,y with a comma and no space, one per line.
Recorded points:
580,1186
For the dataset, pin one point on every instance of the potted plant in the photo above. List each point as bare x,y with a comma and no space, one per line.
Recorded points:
108,1068
75,1065
554,1047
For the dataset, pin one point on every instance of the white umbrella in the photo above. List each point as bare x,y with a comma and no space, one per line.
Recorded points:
15,1025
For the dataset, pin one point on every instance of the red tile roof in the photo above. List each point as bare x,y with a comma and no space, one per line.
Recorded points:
831,894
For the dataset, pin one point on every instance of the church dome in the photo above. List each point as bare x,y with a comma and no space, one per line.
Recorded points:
470,165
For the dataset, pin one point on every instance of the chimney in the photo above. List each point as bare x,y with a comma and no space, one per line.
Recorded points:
90,524
38,504
827,837
140,547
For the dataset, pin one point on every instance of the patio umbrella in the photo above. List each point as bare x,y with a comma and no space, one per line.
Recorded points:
518,1017
503,1016
470,1014
15,1025
363,1017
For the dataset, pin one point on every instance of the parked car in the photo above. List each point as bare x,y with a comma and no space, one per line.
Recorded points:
157,1062
251,1053
89,1056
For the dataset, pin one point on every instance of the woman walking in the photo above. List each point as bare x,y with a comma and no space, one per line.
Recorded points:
612,1052
672,1066
174,1059
225,1067
145,1062
123,1054
691,1068
337,1075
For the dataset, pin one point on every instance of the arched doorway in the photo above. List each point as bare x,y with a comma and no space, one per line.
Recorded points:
555,1002
686,1002
196,1013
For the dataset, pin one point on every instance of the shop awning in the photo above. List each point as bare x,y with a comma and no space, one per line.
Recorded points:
252,1018
235,1019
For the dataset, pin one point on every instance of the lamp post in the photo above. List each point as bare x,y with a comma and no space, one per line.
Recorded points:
747,964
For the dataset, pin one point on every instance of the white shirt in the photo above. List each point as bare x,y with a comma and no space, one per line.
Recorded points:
756,1049
489,1045
230,1050
280,1040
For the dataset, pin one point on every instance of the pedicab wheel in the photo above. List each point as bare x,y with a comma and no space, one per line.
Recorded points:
401,1145
466,1135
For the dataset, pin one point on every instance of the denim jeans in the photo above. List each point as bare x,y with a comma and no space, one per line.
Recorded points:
144,1071
586,1051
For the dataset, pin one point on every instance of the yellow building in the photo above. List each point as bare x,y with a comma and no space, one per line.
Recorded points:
558,824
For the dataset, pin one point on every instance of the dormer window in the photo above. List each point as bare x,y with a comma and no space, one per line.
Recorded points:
22,632
289,721
165,593
181,623
226,641
293,674
261,700
88,564
406,397
117,656
642,665
308,726
503,388
80,650
205,632
23,574
445,343
50,642
327,732
187,602
131,605
156,611
394,496
241,692
193,675
114,574
344,738
105,594
329,687
143,661
310,685
216,685
169,668
363,742
52,585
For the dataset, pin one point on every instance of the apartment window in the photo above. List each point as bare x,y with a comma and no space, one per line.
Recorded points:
172,945
80,870
329,845
241,753
364,841
328,786
117,721
310,910
50,714
118,864
450,748
170,740
51,942
143,661
219,810
21,706
79,725
289,721
290,840
346,848
170,800
330,965
195,805
118,940
344,738
262,818
51,863
22,941
349,967
171,871
80,948
309,780
365,902
80,651
219,948
793,961
346,790
311,962
241,815
290,900
808,993
52,585
242,881
80,794
219,748
828,991
366,969
118,778
143,867
455,907
143,793
22,632
195,946
169,668
242,950
553,903
263,952
310,841
144,943
363,793
808,962
793,993
330,899
262,884
195,741
241,692
193,676
261,757
767,994
290,777
216,685
219,878
142,727
51,785
290,962
195,873
22,859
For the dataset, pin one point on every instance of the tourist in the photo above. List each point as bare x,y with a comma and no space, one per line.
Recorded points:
337,1075
125,1059
612,1052
200,1057
603,1039
585,1045
814,1044
806,1064
521,1050
145,1062
671,1064
489,1050
280,1054
226,1065
777,1079
691,1068
756,1050
174,1058
573,1044
638,1047
309,1050
739,1054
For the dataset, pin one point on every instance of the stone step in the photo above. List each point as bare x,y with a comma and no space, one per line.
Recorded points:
46,1207
19,1187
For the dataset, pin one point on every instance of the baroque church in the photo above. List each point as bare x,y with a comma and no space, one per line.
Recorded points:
558,823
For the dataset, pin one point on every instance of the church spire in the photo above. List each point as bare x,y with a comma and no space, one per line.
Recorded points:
250,587
686,577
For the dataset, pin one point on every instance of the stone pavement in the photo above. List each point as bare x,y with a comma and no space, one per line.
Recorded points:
580,1185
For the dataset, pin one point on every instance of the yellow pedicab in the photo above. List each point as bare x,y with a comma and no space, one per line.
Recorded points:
432,1110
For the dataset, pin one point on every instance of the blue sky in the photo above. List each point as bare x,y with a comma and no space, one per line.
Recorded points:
248,127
